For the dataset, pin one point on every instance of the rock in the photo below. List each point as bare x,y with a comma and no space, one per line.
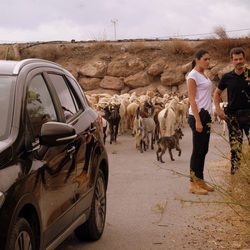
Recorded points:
94,69
143,90
111,82
101,90
73,70
140,79
210,75
156,68
182,89
216,71
186,68
125,66
224,70
88,83
163,89
125,90
172,76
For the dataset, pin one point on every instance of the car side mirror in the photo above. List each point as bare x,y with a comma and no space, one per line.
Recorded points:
56,133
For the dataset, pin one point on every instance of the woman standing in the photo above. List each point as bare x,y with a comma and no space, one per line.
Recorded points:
200,98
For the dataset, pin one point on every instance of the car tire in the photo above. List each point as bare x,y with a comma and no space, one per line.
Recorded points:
21,236
93,228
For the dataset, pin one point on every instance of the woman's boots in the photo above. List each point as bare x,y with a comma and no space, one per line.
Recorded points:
200,187
196,189
205,186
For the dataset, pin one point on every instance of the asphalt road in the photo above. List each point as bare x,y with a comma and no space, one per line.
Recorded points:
149,206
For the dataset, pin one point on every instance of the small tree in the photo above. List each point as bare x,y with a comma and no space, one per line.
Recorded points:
220,32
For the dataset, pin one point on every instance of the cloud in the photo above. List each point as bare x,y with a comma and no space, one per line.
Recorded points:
55,30
35,20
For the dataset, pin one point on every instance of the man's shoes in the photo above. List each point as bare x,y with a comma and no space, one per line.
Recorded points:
196,189
204,185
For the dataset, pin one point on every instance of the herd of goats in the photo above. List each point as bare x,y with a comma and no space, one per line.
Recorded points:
150,118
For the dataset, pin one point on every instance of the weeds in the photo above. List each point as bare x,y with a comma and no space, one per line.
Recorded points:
160,208
181,48
236,189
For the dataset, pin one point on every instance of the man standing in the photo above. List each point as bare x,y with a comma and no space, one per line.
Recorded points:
237,113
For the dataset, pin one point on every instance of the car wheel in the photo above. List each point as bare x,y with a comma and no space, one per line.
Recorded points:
21,236
93,228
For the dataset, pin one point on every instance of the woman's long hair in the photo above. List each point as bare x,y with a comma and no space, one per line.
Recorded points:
198,55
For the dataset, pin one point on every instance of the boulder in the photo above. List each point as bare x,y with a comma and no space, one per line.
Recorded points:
88,83
182,89
224,70
144,90
156,68
140,79
125,66
172,76
101,91
211,75
186,68
111,82
163,89
94,69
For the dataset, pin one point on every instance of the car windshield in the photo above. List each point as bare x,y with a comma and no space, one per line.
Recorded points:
6,105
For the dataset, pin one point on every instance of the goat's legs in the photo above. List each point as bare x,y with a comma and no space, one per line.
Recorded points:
171,155
161,154
111,133
152,140
179,150
157,154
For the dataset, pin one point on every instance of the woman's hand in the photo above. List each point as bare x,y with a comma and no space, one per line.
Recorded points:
198,126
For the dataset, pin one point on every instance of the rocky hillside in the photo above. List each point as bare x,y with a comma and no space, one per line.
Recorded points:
129,66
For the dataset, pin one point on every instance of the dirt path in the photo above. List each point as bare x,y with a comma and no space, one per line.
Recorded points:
149,206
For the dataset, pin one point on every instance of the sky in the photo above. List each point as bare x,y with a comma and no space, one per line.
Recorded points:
82,20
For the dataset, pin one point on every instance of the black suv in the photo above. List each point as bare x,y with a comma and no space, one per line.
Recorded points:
53,164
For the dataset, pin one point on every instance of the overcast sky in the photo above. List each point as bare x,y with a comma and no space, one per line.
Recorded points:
50,20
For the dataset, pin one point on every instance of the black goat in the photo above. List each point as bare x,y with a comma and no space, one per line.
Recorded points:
113,117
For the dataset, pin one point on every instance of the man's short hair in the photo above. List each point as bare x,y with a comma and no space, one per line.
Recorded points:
237,51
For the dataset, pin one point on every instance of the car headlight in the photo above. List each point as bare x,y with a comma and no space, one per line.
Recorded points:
2,198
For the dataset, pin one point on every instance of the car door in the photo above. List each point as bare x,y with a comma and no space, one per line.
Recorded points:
82,118
55,165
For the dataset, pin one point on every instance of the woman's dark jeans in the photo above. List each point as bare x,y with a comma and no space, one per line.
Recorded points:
200,144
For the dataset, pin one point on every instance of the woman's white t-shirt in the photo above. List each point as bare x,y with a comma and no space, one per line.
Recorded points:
203,96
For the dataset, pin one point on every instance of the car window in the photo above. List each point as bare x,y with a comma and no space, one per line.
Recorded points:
39,104
77,88
6,105
67,98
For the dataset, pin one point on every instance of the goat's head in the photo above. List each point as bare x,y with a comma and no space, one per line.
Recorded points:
178,132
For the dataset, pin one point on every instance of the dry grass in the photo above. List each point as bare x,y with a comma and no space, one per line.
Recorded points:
220,48
175,49
181,48
236,188
7,52
43,51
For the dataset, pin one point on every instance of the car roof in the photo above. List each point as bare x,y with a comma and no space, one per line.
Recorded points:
8,67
